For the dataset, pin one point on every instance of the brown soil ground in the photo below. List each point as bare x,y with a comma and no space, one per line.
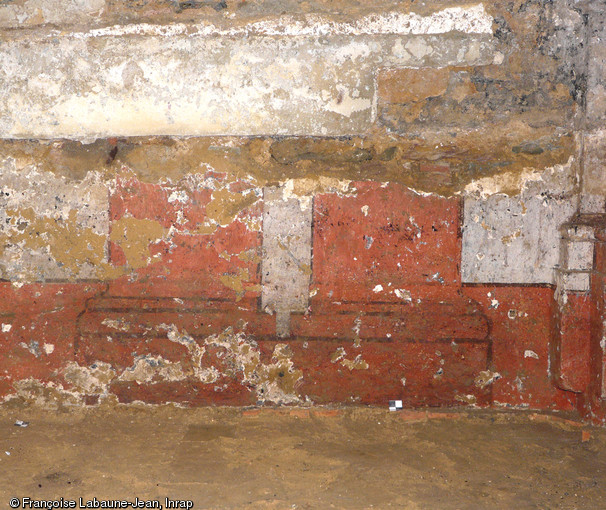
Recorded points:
304,458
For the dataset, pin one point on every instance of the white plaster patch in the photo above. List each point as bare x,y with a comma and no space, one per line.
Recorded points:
206,374
486,378
148,369
178,196
286,263
346,105
530,354
242,352
403,294
6,328
89,380
498,58
116,324
469,20
418,48
338,355
356,364
33,347
516,239
44,394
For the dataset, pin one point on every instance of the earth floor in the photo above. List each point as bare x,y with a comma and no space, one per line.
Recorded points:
303,458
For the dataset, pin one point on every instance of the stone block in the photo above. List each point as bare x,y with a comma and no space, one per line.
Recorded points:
286,264
412,85
579,255
280,76
516,238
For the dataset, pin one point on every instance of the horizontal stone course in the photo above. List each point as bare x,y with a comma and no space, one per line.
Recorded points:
272,77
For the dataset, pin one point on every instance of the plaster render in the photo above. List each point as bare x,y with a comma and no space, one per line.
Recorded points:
274,77
516,239
371,159
51,227
286,264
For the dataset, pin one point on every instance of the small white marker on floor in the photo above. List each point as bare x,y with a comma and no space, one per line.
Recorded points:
395,405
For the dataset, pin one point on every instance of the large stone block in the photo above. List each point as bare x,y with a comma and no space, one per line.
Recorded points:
286,265
516,238
280,76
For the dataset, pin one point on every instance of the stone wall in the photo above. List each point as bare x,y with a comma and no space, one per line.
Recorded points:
299,202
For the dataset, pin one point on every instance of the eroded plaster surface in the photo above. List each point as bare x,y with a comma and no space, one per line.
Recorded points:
315,77
516,239
318,257
286,264
51,227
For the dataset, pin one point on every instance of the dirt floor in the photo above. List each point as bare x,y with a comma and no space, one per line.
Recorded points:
302,458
